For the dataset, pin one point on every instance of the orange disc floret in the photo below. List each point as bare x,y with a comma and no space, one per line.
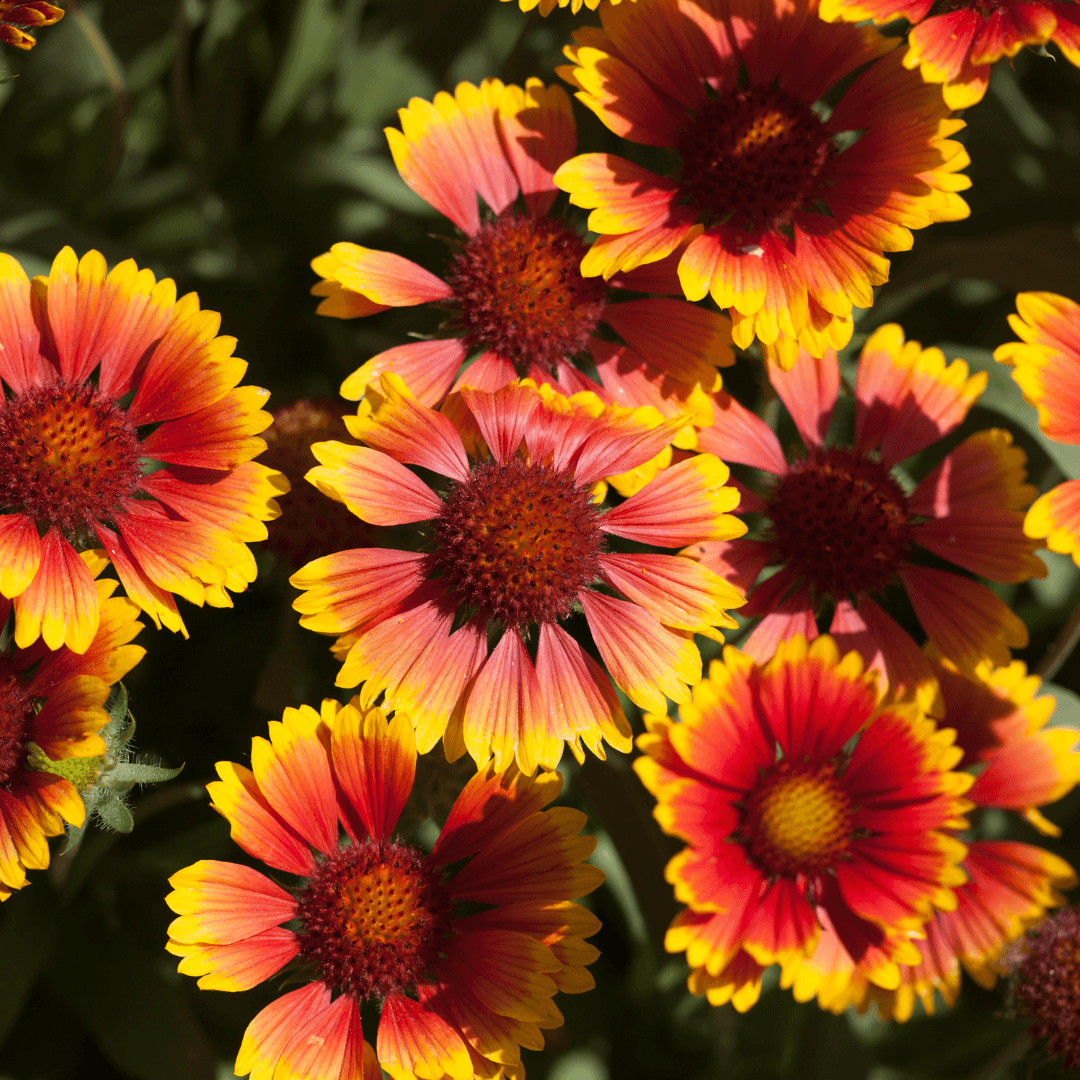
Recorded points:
956,44
1046,364
808,806
512,288
54,700
373,919
784,216
122,430
518,543
1020,764
18,16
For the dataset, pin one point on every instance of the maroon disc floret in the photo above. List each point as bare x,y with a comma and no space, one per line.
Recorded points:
16,712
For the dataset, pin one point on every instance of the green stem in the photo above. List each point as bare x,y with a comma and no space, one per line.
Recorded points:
1061,648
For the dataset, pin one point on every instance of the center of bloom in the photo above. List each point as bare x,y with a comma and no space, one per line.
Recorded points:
841,522
16,711
520,292
753,157
372,918
518,542
798,818
66,456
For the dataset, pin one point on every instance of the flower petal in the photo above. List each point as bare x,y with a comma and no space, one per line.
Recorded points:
415,1042
240,965
426,367
317,1051
20,553
387,279
21,363
809,390
738,435
274,1027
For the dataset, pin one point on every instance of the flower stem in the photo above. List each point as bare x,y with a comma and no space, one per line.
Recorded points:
1061,648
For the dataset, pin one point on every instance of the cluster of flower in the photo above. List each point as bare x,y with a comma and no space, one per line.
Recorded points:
546,478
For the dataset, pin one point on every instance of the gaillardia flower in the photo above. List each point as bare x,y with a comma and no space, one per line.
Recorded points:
843,527
310,525
1020,765
109,376
957,42
546,7
513,286
516,544
1046,364
53,700
808,806
461,948
798,201
16,16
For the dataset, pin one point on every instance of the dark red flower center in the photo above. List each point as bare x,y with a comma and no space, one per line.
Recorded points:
1047,984
753,157
841,522
16,712
372,918
518,542
797,820
67,457
520,292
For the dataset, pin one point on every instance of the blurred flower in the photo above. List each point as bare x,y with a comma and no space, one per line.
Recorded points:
1046,984
376,918
546,7
1046,364
518,543
15,15
310,524
842,528
52,703
798,200
956,43
514,287
1020,765
110,376
809,809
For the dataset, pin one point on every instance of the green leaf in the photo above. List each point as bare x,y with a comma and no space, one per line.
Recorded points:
117,705
115,814
135,772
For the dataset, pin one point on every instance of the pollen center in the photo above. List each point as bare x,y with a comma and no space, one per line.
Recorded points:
517,542
16,711
66,456
797,819
841,522
520,292
372,918
753,157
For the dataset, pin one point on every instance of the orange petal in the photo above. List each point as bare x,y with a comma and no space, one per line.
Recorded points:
274,1027
413,1041
809,390
238,966
317,1051
426,367
21,363
387,279
20,553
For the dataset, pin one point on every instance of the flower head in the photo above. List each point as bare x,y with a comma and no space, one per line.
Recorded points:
810,808
110,376
375,919
517,544
1020,765
16,16
513,288
956,43
843,529
787,206
1046,364
52,702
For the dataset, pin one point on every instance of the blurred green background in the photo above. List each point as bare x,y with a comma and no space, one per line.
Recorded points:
225,143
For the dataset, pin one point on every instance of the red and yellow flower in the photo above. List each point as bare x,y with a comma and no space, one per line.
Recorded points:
1046,364
513,287
1021,765
108,377
546,7
54,700
956,43
16,16
843,529
515,546
787,214
810,808
374,919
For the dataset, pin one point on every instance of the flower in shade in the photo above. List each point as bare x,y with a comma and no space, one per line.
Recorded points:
842,527
516,544
54,701
1046,984
809,806
956,43
1020,765
17,16
462,948
798,202
310,525
1046,364
512,287
122,430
